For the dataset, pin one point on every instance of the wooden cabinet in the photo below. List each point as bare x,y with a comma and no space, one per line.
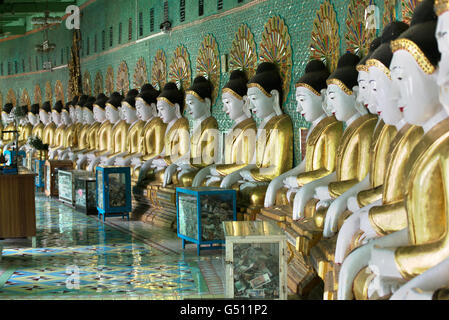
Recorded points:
17,206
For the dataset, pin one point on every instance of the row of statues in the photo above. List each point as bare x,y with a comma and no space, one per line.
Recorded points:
370,196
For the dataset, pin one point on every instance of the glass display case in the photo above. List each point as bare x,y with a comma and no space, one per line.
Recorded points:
113,191
10,154
66,185
29,160
256,260
85,195
200,213
40,173
51,175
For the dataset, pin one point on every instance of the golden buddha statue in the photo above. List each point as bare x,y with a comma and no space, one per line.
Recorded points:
45,115
33,117
204,138
58,140
274,150
7,118
25,128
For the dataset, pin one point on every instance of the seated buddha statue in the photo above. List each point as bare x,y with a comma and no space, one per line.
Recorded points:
382,265
68,139
33,117
95,116
240,140
204,138
114,131
25,128
322,140
370,188
127,133
45,114
274,148
7,119
353,154
170,105
59,131
151,139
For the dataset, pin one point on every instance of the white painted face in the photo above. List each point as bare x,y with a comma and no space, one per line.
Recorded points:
99,114
195,107
33,118
5,117
143,110
166,112
120,113
72,111
88,116
261,105
382,96
232,106
44,116
418,91
56,117
340,104
364,91
65,118
129,113
79,114
308,104
442,36
112,114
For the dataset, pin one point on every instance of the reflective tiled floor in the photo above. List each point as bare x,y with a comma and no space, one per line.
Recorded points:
80,257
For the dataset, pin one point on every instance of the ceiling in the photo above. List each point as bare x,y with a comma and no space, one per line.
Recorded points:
16,15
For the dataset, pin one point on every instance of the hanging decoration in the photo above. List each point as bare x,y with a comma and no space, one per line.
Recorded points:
159,70
98,84
179,70
408,7
208,63
243,55
87,84
140,74
325,43
75,81
37,94
122,84
359,34
59,91
276,47
109,81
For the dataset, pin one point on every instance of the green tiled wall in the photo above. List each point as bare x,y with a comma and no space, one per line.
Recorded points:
222,24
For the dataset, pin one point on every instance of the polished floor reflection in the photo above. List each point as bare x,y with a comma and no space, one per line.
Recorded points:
79,257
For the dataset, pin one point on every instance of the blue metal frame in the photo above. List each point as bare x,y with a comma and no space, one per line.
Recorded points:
115,211
40,174
12,154
198,194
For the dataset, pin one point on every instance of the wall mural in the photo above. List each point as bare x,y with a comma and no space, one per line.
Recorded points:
325,41
48,92
407,7
109,81
98,84
87,83
389,12
140,74
37,94
276,47
179,70
69,91
122,84
59,92
208,63
243,54
11,97
359,35
25,99
159,70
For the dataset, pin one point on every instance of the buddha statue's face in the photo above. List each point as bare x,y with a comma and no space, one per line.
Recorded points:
382,96
33,118
442,36
120,113
99,114
56,117
143,110
364,91
79,114
418,91
261,105
308,104
129,113
44,116
112,114
72,112
340,104
65,118
5,117
166,111
195,107
88,116
233,106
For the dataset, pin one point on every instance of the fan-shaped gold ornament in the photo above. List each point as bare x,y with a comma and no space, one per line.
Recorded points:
122,83
276,47
243,55
59,91
140,74
159,70
69,92
359,34
48,92
389,12
325,43
37,94
109,81
87,83
98,84
25,99
11,97
179,70
208,63
408,7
